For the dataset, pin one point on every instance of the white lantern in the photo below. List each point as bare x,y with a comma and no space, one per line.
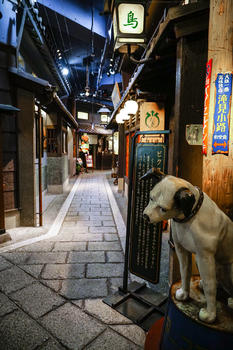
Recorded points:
131,107
119,119
124,114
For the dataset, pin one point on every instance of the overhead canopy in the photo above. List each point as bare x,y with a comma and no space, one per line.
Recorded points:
94,129
8,108
43,91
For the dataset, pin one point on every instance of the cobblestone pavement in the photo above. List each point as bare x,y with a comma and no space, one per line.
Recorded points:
51,291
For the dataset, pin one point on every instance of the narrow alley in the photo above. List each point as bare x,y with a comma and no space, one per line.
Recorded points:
52,290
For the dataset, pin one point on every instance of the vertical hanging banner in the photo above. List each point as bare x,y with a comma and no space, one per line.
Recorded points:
220,142
145,239
206,106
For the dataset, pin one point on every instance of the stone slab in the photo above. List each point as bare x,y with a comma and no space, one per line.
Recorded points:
84,288
86,257
69,246
33,270
43,246
87,237
36,258
4,264
6,305
88,223
101,217
102,230
104,270
112,340
115,257
132,332
63,237
110,237
63,271
72,327
19,331
53,284
104,246
71,228
30,299
13,279
52,345
109,223
105,313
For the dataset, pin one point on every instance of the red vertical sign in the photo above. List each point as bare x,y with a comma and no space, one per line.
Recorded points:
206,106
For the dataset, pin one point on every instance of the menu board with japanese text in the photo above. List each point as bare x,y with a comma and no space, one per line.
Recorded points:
145,239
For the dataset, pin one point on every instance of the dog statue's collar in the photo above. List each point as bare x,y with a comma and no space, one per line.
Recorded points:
195,210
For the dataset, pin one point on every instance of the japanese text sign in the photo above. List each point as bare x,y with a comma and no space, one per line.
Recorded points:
131,18
145,239
220,142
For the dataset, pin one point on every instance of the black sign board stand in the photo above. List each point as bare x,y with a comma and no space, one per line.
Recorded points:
136,301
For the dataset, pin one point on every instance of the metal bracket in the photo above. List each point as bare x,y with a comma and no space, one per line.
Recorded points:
140,304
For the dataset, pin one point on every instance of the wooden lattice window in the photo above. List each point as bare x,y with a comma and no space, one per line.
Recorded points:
52,144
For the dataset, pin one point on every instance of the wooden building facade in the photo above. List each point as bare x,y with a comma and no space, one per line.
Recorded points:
32,159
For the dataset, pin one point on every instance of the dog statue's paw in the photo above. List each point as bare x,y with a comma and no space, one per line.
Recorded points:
230,302
205,316
181,294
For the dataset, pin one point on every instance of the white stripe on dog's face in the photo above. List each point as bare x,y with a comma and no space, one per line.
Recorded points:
161,205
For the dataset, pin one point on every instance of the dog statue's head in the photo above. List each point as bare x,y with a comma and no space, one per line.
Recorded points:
171,197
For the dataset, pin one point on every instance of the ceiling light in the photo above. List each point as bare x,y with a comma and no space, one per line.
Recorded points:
65,71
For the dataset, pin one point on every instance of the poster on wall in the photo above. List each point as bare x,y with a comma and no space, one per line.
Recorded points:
152,117
220,142
89,161
206,107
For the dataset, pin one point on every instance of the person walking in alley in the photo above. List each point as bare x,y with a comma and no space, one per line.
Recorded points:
83,157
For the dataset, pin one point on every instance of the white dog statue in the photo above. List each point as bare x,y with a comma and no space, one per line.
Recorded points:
200,227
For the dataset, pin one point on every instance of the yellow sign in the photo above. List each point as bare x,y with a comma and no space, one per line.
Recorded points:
152,116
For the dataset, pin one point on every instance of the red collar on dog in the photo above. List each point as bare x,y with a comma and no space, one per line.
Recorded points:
195,210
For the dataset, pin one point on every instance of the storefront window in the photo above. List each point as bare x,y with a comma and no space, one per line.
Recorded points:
52,145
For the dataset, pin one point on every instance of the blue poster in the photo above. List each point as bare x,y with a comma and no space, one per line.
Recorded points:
220,143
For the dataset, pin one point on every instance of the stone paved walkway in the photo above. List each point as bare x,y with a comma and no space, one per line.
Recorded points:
51,291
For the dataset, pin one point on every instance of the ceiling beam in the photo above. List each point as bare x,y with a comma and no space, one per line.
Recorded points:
78,12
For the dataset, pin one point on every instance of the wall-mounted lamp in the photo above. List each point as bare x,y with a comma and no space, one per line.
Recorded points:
104,115
129,24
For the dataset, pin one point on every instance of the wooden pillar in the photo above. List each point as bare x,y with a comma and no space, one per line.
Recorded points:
26,149
121,157
2,218
218,168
